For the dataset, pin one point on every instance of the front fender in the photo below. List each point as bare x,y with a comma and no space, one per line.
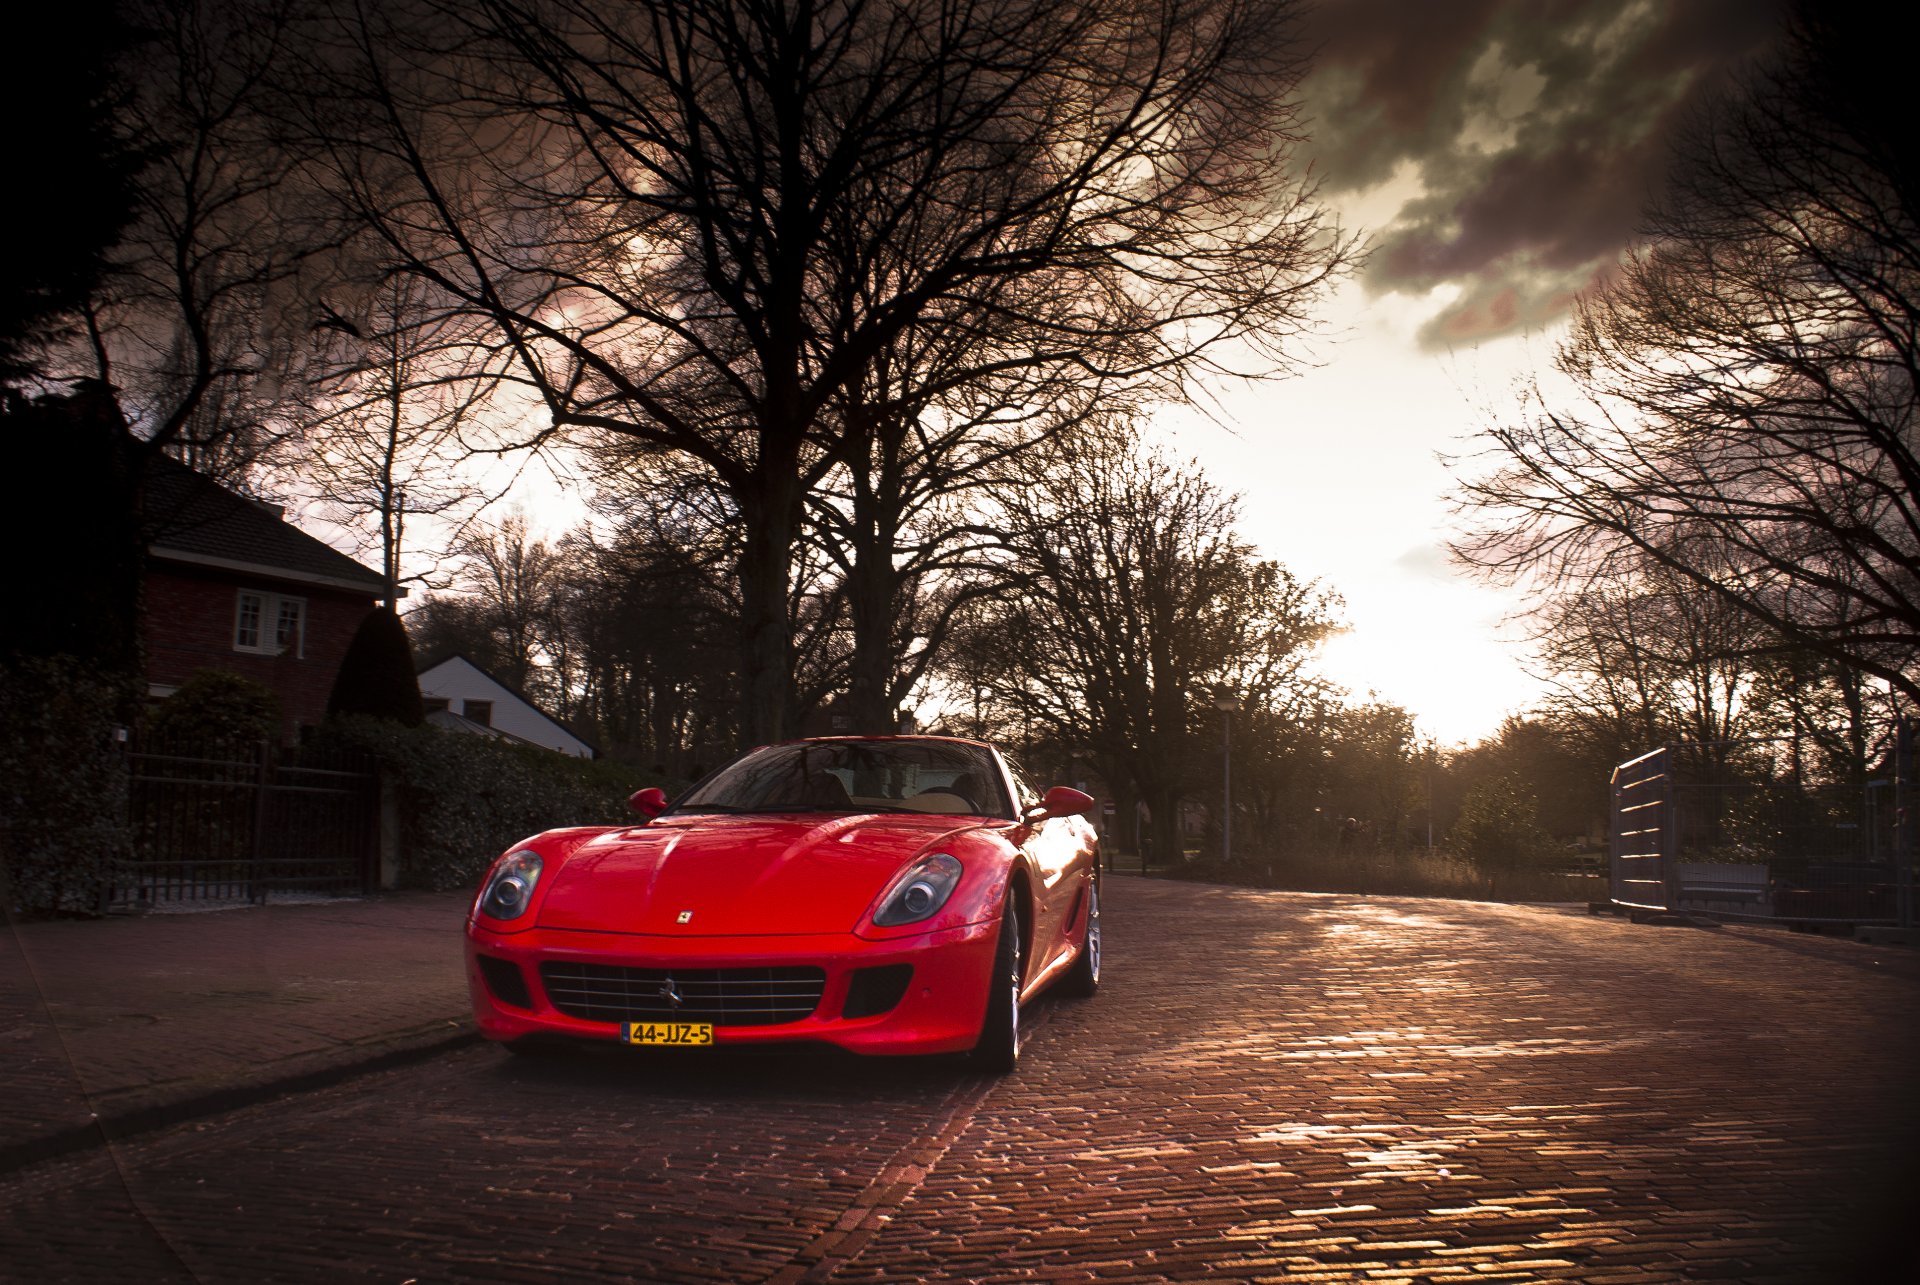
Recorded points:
553,848
988,862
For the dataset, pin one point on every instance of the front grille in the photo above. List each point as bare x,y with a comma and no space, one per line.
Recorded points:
722,996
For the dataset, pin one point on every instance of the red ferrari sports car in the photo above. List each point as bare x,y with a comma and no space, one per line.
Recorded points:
883,894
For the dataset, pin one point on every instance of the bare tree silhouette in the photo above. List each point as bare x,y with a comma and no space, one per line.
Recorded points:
1752,374
1139,604
700,223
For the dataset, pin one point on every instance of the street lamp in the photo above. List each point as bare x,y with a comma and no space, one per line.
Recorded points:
1429,757
1225,705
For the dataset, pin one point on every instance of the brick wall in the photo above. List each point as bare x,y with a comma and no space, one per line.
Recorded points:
188,623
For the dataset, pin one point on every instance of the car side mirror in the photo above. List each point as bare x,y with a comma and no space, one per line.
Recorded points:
649,803
1061,801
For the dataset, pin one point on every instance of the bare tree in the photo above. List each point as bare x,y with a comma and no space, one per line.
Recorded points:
696,223
1752,374
1139,604
906,517
384,435
513,579
1284,722
649,498
1833,721
1284,736
166,238
203,324
1637,664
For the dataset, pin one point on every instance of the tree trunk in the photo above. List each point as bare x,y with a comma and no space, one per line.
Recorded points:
1167,843
873,586
870,601
769,516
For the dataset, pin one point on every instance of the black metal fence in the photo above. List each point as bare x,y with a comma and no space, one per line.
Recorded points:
1691,835
240,822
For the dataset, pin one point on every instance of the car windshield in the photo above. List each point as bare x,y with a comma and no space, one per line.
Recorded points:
950,778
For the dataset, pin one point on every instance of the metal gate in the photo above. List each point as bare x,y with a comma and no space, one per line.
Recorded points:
238,823
1688,835
1644,847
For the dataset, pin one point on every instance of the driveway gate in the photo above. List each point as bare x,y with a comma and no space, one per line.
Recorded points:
239,823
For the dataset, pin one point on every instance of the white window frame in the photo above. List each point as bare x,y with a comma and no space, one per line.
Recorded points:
267,623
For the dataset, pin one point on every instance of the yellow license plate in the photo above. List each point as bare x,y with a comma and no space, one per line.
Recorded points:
675,1034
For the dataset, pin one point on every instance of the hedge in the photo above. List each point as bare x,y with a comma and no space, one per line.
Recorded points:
463,799
64,837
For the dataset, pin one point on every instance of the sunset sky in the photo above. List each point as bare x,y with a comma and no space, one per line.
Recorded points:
1497,154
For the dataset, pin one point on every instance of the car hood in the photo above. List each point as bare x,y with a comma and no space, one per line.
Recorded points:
738,875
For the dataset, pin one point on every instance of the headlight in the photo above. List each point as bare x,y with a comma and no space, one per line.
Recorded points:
921,891
509,889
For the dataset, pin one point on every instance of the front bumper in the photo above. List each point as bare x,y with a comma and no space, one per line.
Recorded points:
941,1010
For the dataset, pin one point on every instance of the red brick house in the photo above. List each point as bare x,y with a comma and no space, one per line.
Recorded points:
230,585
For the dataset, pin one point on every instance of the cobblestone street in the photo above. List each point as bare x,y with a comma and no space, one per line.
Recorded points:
1269,1086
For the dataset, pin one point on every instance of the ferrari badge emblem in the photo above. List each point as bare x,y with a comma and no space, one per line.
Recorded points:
686,917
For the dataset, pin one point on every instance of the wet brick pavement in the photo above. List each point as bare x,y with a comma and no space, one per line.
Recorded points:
1271,1086
115,1019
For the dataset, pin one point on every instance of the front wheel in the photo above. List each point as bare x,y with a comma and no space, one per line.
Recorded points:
999,1046
1083,979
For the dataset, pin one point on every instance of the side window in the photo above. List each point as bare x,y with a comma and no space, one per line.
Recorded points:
479,711
1028,796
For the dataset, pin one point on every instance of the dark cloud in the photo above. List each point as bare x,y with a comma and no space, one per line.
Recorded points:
1532,133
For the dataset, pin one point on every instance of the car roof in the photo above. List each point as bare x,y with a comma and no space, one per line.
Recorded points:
914,738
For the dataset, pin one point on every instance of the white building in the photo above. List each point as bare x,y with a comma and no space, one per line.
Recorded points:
460,695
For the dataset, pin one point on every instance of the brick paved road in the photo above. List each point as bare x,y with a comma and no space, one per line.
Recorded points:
1272,1086
116,1015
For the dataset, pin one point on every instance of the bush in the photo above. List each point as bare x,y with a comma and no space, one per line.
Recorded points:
64,837
464,799
1499,826
219,713
376,675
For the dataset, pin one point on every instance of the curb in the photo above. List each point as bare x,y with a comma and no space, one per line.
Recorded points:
106,1130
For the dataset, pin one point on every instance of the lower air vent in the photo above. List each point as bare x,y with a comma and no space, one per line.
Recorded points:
505,980
877,990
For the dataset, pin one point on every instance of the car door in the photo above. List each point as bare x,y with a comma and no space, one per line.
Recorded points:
1056,849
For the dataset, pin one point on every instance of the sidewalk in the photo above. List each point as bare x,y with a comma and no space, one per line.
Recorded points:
115,1025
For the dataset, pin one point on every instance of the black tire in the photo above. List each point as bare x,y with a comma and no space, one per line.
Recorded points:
1083,979
999,1047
